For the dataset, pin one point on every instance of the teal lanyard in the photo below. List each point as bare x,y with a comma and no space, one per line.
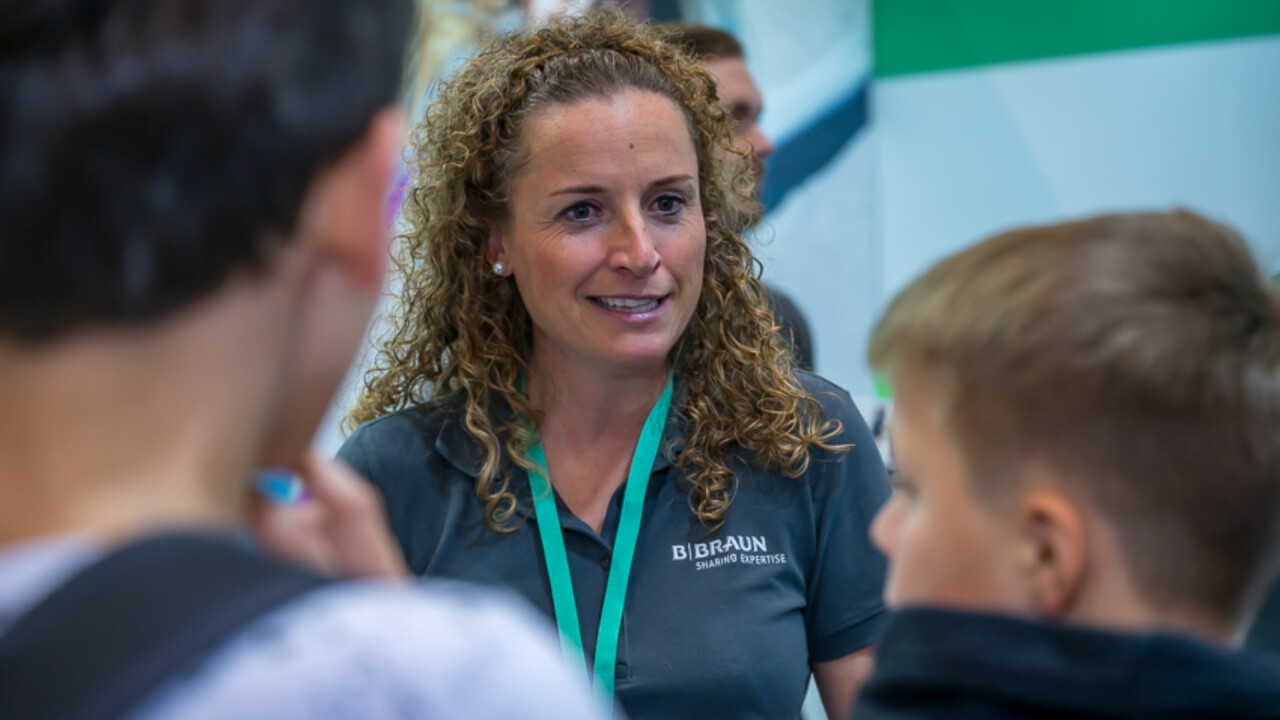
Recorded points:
624,548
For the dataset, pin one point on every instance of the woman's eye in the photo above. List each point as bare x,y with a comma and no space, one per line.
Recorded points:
668,204
579,212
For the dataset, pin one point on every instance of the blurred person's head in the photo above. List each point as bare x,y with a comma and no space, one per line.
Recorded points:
167,164
573,207
1086,426
721,54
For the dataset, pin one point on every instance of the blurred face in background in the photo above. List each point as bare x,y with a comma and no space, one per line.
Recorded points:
741,99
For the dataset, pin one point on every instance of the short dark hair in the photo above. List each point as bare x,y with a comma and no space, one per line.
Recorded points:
1140,354
705,42
149,150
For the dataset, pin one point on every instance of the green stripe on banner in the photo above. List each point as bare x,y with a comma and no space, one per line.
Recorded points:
914,36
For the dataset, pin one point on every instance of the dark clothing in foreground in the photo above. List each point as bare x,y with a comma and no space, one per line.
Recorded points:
945,664
1265,633
366,650
118,632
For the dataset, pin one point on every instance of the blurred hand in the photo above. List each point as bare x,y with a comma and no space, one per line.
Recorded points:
338,529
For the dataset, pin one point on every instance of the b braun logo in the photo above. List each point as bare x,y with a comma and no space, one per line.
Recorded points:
733,543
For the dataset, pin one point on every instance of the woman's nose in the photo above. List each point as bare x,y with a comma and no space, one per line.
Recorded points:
633,248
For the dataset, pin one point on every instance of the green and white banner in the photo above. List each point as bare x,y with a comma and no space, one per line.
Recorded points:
992,113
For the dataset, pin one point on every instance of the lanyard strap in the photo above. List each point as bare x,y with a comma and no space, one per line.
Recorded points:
624,548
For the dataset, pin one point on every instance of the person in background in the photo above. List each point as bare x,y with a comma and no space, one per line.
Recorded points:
722,56
193,238
584,397
1087,504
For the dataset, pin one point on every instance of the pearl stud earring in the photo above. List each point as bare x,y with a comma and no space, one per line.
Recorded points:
499,268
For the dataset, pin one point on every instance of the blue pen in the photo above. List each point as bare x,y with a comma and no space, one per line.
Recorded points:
280,486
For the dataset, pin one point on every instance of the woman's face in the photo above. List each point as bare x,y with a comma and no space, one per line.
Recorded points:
605,235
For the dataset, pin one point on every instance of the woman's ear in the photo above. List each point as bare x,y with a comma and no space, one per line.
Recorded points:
1055,551
494,249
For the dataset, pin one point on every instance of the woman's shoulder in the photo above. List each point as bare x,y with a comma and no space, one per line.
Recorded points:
835,401
816,384
430,415
858,456
408,433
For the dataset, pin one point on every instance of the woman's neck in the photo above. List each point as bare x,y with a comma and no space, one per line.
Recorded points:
588,424
587,403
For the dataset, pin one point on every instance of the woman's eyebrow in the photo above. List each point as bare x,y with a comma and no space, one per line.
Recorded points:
579,190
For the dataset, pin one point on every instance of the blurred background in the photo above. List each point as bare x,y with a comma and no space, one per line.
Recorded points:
908,129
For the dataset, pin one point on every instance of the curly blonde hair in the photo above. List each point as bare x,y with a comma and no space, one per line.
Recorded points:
458,327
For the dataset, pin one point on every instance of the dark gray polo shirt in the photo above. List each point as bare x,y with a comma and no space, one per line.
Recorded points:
721,624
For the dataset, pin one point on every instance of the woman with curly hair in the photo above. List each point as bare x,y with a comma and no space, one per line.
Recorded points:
584,398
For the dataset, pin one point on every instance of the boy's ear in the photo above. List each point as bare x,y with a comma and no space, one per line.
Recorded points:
346,211
1054,551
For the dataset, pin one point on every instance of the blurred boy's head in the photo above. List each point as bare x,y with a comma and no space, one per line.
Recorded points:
159,156
1087,426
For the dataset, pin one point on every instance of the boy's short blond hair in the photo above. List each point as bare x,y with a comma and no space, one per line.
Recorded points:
1138,355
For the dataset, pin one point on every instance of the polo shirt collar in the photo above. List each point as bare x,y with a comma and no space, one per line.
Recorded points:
457,445
462,450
